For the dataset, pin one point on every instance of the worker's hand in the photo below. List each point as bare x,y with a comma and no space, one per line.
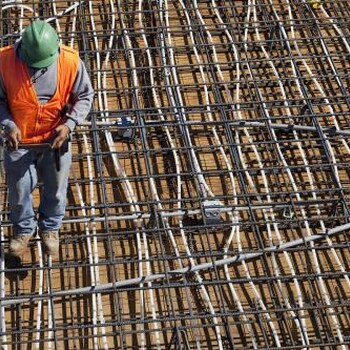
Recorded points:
62,132
13,137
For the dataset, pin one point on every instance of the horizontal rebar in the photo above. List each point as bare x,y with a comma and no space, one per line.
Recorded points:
179,272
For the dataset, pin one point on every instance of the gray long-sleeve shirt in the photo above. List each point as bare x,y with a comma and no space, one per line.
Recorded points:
45,83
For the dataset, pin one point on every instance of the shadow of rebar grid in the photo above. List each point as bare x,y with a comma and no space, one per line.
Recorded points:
208,201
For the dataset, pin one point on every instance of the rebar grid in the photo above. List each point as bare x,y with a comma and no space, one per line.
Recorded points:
208,199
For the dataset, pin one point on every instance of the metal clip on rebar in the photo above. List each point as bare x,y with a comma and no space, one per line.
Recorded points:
125,129
211,212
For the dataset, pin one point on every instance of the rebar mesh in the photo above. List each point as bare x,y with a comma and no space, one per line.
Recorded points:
208,202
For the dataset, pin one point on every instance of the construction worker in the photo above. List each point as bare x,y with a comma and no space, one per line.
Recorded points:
39,80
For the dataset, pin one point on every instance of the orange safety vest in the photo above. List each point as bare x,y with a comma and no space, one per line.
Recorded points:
36,121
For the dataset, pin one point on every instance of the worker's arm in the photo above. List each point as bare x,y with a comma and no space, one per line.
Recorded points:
82,97
12,132
5,115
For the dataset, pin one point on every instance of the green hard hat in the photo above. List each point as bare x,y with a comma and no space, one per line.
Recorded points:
40,45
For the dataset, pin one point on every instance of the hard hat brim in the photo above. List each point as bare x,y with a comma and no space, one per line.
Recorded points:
38,64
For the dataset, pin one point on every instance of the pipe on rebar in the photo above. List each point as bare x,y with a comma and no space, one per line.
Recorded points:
182,271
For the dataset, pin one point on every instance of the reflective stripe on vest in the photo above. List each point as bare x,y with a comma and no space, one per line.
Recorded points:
36,121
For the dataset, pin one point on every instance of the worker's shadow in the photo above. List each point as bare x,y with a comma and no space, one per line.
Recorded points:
14,269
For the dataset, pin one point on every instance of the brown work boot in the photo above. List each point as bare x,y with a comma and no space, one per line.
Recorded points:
50,241
19,244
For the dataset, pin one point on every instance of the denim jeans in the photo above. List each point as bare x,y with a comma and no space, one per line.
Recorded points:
23,168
